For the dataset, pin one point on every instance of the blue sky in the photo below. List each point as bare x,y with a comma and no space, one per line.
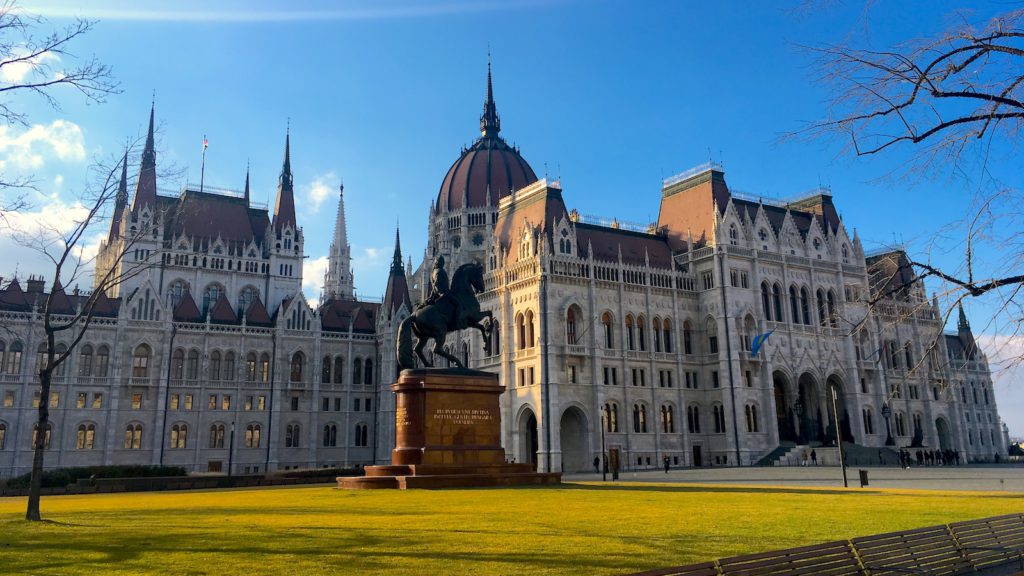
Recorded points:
608,96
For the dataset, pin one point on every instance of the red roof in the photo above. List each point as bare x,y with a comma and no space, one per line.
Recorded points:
205,217
257,314
337,314
636,247
59,302
221,313
186,310
13,298
490,167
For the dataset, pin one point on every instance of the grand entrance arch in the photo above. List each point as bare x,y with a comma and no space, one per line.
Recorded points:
836,383
942,430
528,444
574,436
808,410
785,418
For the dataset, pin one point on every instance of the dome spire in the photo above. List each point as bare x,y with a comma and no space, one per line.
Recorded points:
490,123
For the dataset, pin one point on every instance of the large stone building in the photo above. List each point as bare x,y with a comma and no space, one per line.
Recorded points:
635,338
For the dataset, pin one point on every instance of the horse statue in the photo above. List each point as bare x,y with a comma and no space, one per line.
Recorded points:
455,309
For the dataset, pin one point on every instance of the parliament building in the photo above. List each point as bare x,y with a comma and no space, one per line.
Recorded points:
632,341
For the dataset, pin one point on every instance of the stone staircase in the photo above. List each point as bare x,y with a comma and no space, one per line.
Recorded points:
856,455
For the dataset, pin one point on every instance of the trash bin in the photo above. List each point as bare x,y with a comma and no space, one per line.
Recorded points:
863,478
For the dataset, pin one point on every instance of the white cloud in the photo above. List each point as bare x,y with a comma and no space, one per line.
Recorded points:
313,271
1006,360
29,150
16,72
44,226
318,191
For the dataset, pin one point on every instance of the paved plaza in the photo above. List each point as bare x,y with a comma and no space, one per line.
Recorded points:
979,478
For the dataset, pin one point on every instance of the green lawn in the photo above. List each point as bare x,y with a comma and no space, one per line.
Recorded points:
573,529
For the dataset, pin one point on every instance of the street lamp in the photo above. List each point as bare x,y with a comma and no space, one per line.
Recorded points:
231,448
839,437
604,451
887,413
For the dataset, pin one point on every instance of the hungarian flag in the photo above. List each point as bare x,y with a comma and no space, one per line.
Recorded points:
206,143
758,343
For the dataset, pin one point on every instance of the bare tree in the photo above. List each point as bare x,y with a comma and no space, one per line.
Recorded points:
41,66
955,101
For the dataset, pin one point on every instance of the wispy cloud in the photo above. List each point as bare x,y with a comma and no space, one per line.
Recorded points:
368,11
29,149
16,72
320,189
313,270
1006,360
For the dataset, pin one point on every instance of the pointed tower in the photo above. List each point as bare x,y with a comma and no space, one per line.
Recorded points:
338,280
490,123
284,208
963,329
397,292
120,201
145,189
246,184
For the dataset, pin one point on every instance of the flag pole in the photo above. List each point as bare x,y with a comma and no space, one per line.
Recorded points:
202,170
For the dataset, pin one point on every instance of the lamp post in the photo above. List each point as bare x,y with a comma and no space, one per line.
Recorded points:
231,448
604,451
887,413
839,438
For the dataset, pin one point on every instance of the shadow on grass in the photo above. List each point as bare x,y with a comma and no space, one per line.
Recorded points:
712,489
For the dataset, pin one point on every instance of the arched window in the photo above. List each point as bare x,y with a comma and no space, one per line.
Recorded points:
846,254
264,367
3,350
330,435
668,424
693,419
3,435
217,436
609,334
250,367
245,299
292,432
777,302
804,306
102,361
84,361
641,333
766,302
368,372
794,306
228,372
666,333
178,364
357,371
215,365
12,364
733,235
529,329
133,437
630,337
465,354
869,421
252,436
831,308
339,369
362,435
520,331
687,337
325,370
179,436
570,326
639,418
495,338
46,436
901,424
140,361
176,292
822,312
712,328
192,365
85,437
298,360
210,296
718,415
750,412
656,332
908,354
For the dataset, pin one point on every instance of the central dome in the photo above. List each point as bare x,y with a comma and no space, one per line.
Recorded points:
486,172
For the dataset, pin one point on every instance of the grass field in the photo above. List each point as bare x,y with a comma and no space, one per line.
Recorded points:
573,529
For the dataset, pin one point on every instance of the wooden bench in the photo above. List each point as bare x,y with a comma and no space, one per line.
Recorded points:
829,559
992,542
702,569
931,550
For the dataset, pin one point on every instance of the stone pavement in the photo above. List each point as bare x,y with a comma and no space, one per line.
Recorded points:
974,478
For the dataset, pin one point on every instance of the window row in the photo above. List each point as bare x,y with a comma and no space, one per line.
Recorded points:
800,305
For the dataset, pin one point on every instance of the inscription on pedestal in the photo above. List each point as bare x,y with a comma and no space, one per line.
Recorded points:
462,416
402,417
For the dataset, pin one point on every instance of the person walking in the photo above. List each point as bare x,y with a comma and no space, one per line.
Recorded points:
597,464
666,464
814,457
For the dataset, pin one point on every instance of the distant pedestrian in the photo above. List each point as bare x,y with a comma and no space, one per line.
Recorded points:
803,458
666,464
881,458
814,457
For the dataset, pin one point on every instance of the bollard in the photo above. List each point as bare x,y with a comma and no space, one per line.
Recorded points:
863,478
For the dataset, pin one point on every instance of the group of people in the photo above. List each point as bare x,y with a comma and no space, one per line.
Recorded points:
929,458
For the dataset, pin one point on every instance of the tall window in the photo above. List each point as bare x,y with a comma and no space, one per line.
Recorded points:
668,424
215,365
529,329
641,333
330,435
339,369
766,302
133,437
666,332
217,436
192,365
246,298
570,326
611,417
252,436
693,419
176,292
3,435
831,308
140,361
656,332
357,371
291,436
102,361
228,371
264,367
712,327
325,370
85,437
297,361
362,435
777,302
210,296
804,306
639,418
46,436
718,415
84,361
687,337
794,305
606,324
368,372
630,338
178,364
250,367
179,436
750,412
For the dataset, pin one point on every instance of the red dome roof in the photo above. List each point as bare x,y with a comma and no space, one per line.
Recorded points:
490,167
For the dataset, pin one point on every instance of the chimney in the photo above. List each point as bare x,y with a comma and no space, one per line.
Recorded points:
35,285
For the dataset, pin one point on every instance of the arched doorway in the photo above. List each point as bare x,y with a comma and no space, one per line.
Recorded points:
528,440
785,419
836,383
808,410
942,429
573,435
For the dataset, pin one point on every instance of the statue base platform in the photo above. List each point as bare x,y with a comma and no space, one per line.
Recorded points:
447,435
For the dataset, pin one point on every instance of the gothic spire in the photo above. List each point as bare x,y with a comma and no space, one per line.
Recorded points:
284,208
120,200
490,123
338,280
247,184
962,324
396,260
397,292
145,189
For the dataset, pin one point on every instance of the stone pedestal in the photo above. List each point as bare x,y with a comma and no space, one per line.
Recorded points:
447,434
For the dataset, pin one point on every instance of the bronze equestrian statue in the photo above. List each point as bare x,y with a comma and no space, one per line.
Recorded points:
447,309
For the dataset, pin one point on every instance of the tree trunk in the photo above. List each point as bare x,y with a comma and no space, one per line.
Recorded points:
36,483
